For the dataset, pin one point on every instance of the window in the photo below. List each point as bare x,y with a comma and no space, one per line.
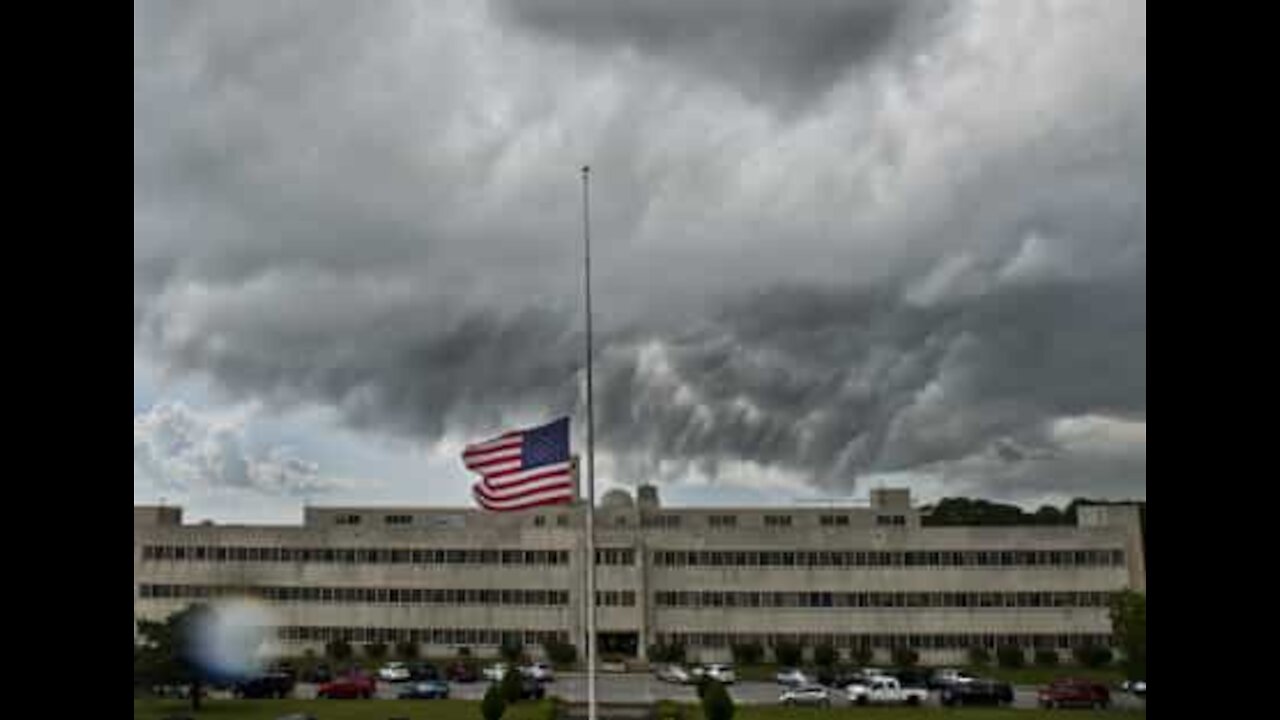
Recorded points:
722,521
562,521
348,520
539,520
832,520
398,519
777,521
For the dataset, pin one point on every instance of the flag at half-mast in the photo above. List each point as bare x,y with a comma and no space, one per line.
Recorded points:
523,468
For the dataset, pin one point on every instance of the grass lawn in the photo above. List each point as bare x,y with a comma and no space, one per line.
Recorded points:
470,710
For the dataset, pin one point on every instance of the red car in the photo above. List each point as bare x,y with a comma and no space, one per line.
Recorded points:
347,687
1078,693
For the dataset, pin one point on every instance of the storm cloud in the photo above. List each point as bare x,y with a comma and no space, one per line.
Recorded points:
832,241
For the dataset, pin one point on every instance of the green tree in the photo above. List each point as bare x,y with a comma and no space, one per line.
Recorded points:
979,656
511,686
337,649
824,655
1092,656
511,649
407,650
787,653
716,703
748,653
375,650
1129,626
861,655
905,657
1010,656
560,653
1046,658
494,704
164,655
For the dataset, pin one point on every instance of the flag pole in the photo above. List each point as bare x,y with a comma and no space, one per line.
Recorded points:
591,479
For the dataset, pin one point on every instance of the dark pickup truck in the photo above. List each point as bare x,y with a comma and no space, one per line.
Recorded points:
269,685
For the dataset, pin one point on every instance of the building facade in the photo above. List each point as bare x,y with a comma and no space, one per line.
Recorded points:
705,578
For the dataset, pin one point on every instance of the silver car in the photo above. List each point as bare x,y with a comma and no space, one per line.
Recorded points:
807,695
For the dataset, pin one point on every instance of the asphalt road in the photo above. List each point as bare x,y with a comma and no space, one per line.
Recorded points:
646,688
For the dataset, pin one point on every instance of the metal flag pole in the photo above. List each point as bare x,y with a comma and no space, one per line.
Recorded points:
591,463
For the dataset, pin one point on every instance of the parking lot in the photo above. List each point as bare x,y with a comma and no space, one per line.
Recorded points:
646,688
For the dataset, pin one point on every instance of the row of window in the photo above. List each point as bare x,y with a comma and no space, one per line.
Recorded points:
892,558
719,599
433,636
888,641
394,596
373,556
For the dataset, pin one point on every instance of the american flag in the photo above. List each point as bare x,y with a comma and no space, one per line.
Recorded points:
523,468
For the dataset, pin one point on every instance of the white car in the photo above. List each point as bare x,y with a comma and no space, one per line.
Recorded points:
1137,687
944,677
719,672
793,677
883,690
495,672
394,672
539,671
673,674
806,695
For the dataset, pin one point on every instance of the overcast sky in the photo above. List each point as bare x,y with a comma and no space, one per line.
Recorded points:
836,244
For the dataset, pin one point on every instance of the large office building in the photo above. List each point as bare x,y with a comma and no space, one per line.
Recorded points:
706,578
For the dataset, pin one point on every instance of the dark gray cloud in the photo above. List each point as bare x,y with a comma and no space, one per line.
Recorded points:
782,53
938,272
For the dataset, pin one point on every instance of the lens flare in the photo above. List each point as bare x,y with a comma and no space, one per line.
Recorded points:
234,639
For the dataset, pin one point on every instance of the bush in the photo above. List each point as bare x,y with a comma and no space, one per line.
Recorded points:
979,656
407,650
861,655
510,686
375,651
464,652
1010,656
337,649
1046,658
1093,656
548,709
666,653
824,656
905,657
494,704
669,710
748,653
560,653
787,654
716,703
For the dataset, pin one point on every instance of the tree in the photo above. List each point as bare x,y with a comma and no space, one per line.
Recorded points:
511,686
905,657
748,653
824,655
861,655
165,655
337,649
560,653
787,653
1046,658
1092,656
979,655
1129,626
1010,656
375,650
407,650
511,649
494,704
716,703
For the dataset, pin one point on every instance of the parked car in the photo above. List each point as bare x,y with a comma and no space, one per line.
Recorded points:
531,689
883,690
806,695
1070,692
318,674
420,671
719,672
393,672
347,687
425,690
495,672
461,672
977,692
1137,687
793,677
540,671
945,677
267,685
673,674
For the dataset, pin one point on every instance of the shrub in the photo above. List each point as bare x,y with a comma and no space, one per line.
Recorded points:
1093,656
666,653
748,653
494,704
716,703
407,650
375,651
511,650
669,710
510,686
337,649
905,657
979,655
787,653
1010,656
861,655
1046,658
560,653
464,652
824,656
